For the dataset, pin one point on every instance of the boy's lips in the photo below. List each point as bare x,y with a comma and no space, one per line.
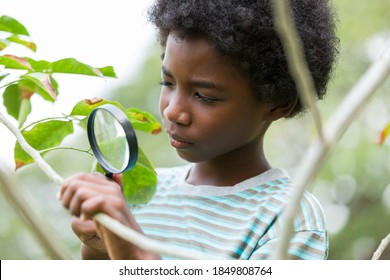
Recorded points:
179,142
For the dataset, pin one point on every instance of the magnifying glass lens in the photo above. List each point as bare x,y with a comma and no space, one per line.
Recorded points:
111,140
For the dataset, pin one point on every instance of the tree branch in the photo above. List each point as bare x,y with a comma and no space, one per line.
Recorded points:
29,213
385,242
46,168
346,113
148,244
296,60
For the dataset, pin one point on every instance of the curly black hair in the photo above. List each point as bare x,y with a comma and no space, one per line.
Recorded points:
244,32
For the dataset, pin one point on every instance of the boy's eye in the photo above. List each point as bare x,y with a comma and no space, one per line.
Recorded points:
165,84
205,99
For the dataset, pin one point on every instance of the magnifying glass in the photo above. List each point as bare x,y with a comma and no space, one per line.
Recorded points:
112,139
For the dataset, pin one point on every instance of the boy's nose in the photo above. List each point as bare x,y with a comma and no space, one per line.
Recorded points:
176,110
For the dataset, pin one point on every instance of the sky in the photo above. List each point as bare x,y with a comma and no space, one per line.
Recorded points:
95,32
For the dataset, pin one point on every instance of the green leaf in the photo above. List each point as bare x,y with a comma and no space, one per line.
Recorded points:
140,120
39,65
73,66
84,107
113,151
12,100
11,25
24,111
42,136
27,43
143,121
17,103
64,66
14,62
41,84
3,44
139,183
3,76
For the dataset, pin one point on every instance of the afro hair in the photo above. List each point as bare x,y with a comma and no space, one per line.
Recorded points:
243,31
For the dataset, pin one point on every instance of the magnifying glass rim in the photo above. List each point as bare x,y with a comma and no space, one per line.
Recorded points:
121,117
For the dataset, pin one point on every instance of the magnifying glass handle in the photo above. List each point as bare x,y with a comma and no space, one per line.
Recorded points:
109,175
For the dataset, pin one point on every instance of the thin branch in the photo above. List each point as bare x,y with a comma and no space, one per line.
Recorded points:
65,117
65,148
296,60
148,244
44,120
42,164
125,232
382,247
30,214
352,105
10,83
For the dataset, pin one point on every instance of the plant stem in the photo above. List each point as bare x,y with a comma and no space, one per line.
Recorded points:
46,168
385,242
10,83
48,119
30,214
296,60
148,244
66,148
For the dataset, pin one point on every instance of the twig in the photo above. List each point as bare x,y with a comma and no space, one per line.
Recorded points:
346,113
29,213
149,244
296,60
382,247
10,83
47,119
42,164
125,232
65,117
66,148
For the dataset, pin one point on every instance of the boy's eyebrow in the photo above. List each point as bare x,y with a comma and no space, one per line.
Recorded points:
166,72
200,83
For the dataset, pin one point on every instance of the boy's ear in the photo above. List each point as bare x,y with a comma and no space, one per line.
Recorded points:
281,111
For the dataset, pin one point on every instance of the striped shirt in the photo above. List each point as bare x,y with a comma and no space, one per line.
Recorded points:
240,221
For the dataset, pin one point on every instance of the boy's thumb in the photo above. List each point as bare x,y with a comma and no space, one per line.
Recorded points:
118,179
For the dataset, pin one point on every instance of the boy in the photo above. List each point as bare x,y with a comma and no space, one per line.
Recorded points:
224,81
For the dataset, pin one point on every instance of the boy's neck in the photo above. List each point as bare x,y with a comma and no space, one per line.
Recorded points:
227,172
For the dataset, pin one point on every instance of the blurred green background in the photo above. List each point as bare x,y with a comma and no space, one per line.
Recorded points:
353,186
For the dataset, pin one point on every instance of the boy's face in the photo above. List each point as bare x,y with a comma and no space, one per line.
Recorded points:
207,107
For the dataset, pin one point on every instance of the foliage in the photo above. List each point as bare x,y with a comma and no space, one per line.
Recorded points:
37,78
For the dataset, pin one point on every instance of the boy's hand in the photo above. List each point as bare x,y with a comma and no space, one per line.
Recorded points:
93,245
88,194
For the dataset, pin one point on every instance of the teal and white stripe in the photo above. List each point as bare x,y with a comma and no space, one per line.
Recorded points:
240,221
